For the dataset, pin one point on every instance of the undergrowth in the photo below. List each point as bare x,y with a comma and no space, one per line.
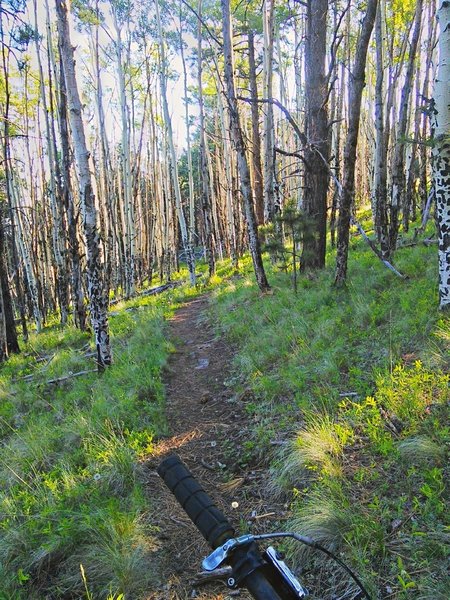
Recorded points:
75,516
354,385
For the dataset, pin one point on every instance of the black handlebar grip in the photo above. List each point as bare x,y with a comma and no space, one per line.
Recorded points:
209,520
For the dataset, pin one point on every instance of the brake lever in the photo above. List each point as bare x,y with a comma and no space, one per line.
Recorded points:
220,554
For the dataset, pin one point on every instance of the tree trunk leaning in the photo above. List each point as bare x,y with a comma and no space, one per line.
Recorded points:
244,172
357,83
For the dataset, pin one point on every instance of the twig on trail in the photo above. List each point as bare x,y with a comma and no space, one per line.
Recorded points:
208,576
207,465
178,522
263,516
347,394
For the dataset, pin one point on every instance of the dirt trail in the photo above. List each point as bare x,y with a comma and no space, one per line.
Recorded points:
208,427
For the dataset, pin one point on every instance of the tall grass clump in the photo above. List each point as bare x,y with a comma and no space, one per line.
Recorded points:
355,382
71,484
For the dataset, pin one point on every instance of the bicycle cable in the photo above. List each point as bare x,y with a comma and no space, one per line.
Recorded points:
309,542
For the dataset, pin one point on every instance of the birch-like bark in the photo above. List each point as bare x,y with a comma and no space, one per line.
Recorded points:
398,168
188,133
205,175
424,149
244,171
129,228
58,246
187,247
5,146
256,139
357,83
96,295
379,194
8,334
229,202
77,293
269,130
441,152
23,241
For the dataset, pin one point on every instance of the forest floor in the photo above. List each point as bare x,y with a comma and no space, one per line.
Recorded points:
209,427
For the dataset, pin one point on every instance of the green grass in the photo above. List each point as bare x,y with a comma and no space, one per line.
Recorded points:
71,483
356,380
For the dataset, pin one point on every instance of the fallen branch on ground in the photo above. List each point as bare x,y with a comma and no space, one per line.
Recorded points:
207,576
150,292
66,377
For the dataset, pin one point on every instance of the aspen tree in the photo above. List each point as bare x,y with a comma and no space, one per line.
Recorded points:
205,175
270,208
398,166
357,82
441,152
187,247
188,133
256,139
242,164
96,295
128,206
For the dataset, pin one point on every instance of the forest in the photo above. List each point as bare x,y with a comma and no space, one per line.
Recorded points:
224,232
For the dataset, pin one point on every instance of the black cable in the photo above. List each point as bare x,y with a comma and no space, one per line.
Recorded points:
309,542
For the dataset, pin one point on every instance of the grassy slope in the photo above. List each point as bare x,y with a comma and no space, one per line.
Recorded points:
365,472
71,488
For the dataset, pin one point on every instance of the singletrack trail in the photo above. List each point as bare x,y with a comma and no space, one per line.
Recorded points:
208,427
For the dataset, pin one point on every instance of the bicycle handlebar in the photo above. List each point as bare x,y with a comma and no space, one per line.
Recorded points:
215,527
209,520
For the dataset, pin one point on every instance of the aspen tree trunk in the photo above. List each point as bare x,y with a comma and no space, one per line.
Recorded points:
3,340
256,139
337,155
5,141
129,228
78,307
8,334
424,150
357,83
398,168
188,133
106,184
409,204
230,219
441,152
22,240
206,196
189,254
269,130
97,299
58,246
316,125
244,172
379,195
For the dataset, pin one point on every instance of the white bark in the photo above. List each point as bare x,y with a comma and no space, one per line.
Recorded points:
97,299
129,230
441,152
190,259
269,133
